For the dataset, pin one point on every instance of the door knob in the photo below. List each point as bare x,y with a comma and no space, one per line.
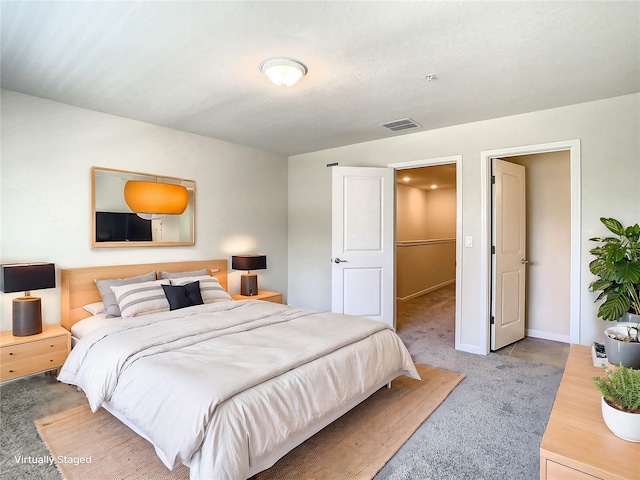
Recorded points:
524,262
337,260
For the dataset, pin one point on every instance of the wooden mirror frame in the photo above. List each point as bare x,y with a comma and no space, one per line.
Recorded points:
188,217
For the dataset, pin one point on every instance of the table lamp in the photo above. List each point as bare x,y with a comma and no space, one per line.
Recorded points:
249,281
27,310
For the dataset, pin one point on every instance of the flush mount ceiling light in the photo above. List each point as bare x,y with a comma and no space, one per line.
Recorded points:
284,72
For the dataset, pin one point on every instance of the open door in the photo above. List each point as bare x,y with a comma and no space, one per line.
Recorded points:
363,235
508,253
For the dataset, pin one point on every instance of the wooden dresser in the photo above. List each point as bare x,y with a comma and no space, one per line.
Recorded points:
22,356
577,445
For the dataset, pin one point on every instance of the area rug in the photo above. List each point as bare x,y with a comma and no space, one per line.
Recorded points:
356,446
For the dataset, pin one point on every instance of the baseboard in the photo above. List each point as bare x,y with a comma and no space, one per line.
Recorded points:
425,291
556,337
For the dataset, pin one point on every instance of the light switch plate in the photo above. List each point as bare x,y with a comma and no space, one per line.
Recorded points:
468,241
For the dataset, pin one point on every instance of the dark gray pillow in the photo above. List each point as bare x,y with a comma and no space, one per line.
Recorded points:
193,273
111,307
181,296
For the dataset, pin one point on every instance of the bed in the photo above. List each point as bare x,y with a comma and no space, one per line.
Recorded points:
225,387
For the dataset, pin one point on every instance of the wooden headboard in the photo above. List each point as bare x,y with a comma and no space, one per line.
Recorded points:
79,288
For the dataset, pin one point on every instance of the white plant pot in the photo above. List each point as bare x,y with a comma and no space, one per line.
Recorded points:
623,424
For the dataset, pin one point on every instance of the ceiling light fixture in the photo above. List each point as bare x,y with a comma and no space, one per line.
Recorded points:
284,72
405,179
434,186
153,200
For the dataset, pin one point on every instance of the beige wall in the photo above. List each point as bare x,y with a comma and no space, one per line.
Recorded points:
424,216
48,149
609,134
548,244
423,268
412,214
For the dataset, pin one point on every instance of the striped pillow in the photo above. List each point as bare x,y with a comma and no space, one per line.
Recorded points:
140,298
210,288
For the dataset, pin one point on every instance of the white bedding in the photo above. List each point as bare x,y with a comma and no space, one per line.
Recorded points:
222,387
85,326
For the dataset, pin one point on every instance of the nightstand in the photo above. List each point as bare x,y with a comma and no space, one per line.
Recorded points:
22,356
263,295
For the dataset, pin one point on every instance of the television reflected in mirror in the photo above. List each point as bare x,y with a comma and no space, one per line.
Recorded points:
114,224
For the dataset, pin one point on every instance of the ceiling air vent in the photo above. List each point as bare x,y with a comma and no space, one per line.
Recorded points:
402,124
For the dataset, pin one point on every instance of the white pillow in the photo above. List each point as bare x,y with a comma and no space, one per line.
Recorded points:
140,298
192,273
89,324
210,288
94,308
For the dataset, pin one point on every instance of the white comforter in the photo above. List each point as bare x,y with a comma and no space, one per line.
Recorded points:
221,387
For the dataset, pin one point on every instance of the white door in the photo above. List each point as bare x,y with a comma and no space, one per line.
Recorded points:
363,235
509,260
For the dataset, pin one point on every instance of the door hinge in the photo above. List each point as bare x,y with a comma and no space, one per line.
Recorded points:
493,249
493,320
493,179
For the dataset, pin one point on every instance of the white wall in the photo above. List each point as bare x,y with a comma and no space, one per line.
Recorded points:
48,149
609,131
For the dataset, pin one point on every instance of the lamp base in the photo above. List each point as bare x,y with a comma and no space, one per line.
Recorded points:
27,316
249,284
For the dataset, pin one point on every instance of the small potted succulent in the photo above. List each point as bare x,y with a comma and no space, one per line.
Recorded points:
617,265
620,390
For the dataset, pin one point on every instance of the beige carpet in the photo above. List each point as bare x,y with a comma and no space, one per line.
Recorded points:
356,446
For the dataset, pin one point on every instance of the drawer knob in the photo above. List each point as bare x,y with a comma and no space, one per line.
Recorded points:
10,353
51,346
11,371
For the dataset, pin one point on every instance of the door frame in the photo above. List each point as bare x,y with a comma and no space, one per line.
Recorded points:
432,162
573,146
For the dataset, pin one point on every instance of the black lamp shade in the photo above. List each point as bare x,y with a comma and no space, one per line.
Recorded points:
22,277
249,262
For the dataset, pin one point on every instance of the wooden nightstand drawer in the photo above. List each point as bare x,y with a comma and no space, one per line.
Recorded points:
30,365
557,471
264,295
14,353
22,356
274,298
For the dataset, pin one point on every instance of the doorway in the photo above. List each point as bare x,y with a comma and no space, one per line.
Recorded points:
547,269
573,254
428,254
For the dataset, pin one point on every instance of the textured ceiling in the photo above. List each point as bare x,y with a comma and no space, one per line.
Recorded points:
193,66
443,176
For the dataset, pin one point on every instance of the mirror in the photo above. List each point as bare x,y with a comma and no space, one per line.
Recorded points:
114,224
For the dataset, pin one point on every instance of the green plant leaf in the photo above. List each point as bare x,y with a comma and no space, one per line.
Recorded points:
597,285
602,268
614,307
621,386
633,232
613,225
627,272
619,254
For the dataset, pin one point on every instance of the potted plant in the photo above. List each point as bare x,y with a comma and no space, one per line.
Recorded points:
621,401
617,264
